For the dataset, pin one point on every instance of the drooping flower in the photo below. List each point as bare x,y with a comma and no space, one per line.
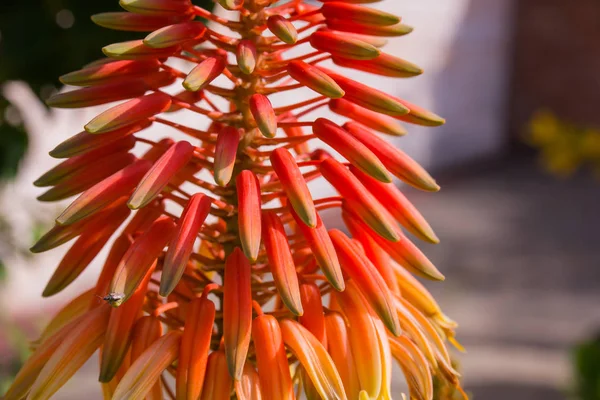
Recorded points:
221,282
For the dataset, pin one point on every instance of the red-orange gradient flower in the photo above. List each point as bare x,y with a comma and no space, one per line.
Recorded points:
222,277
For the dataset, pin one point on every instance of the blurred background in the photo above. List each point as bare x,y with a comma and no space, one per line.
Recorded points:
518,162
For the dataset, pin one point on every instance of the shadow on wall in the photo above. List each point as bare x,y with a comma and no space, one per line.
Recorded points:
471,90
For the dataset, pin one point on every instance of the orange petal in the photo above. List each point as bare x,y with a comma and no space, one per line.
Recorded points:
313,318
396,161
126,21
139,258
104,73
379,122
420,116
218,381
195,346
358,14
177,34
271,359
147,368
416,293
367,278
248,388
414,366
85,143
340,45
386,362
129,112
100,195
320,243
368,29
143,218
237,311
367,97
182,244
362,336
225,155
136,50
204,73
314,358
83,251
384,65
399,206
97,95
157,7
380,259
282,28
263,114
161,173
118,334
249,205
281,262
246,56
74,350
315,79
294,185
352,149
146,331
341,353
362,202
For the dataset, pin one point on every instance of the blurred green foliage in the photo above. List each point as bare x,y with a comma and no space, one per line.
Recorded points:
39,41
587,370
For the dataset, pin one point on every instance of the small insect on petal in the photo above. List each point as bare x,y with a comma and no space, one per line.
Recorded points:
360,199
352,149
84,250
129,112
340,45
163,170
102,194
367,279
136,50
313,318
118,334
358,14
204,73
371,119
281,261
320,243
283,29
338,346
195,346
97,95
249,204
218,382
246,56
367,97
248,388
85,142
271,359
182,244
315,79
146,370
314,359
384,65
362,337
157,7
226,148
399,206
174,35
139,258
74,350
263,114
396,161
237,312
126,21
294,185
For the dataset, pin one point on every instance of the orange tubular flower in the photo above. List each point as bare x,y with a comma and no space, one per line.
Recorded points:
219,255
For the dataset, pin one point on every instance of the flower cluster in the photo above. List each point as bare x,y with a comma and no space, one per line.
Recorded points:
225,281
